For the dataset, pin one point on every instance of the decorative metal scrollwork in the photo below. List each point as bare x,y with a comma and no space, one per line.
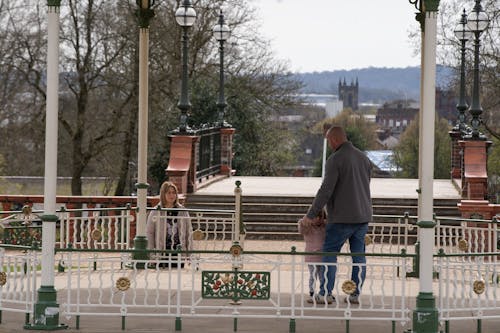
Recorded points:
479,286
3,278
198,234
349,287
123,284
463,245
96,234
236,250
368,240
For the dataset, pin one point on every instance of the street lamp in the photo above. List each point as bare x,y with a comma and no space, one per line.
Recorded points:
221,33
477,21
463,34
185,16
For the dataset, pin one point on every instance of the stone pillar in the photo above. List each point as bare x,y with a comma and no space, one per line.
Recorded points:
226,150
181,168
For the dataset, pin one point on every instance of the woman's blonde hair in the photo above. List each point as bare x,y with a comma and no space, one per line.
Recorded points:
163,189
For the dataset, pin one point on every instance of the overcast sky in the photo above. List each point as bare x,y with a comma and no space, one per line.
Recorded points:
321,35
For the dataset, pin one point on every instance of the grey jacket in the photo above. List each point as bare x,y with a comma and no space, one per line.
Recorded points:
346,187
157,229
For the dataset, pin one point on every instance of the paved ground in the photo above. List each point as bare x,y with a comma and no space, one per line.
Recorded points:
13,323
307,186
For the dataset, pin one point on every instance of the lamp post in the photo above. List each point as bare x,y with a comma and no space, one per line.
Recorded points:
144,13
477,21
185,16
463,34
221,33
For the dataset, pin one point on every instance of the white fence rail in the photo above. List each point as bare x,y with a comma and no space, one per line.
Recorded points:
271,286
18,280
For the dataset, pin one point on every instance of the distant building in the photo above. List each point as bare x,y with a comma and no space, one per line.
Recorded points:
397,115
385,139
349,94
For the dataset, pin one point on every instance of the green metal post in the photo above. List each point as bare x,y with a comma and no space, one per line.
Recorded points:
235,324
291,328
425,316
178,324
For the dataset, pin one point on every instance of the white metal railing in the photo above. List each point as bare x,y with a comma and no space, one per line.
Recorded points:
111,228
466,284
395,234
104,286
466,235
468,287
18,280
105,228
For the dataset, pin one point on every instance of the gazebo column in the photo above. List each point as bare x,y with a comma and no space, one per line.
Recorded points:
46,309
425,316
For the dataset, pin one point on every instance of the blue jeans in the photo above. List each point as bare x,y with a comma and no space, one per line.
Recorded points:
336,235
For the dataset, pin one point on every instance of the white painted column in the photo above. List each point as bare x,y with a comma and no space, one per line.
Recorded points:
51,133
46,308
426,177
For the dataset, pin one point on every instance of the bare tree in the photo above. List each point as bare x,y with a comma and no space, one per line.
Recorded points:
98,89
22,92
95,40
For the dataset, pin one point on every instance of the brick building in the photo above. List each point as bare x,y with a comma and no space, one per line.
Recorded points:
396,115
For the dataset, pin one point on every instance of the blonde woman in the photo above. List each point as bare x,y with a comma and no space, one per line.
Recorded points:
167,229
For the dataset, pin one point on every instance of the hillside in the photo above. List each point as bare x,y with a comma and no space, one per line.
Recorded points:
376,85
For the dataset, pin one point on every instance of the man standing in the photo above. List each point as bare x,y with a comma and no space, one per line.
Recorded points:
345,191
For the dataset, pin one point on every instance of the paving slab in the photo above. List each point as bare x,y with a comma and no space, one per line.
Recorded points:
308,186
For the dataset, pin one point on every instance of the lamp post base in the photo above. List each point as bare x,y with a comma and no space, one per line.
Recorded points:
46,312
140,245
425,316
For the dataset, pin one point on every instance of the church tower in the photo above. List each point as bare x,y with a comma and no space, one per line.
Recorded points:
348,94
